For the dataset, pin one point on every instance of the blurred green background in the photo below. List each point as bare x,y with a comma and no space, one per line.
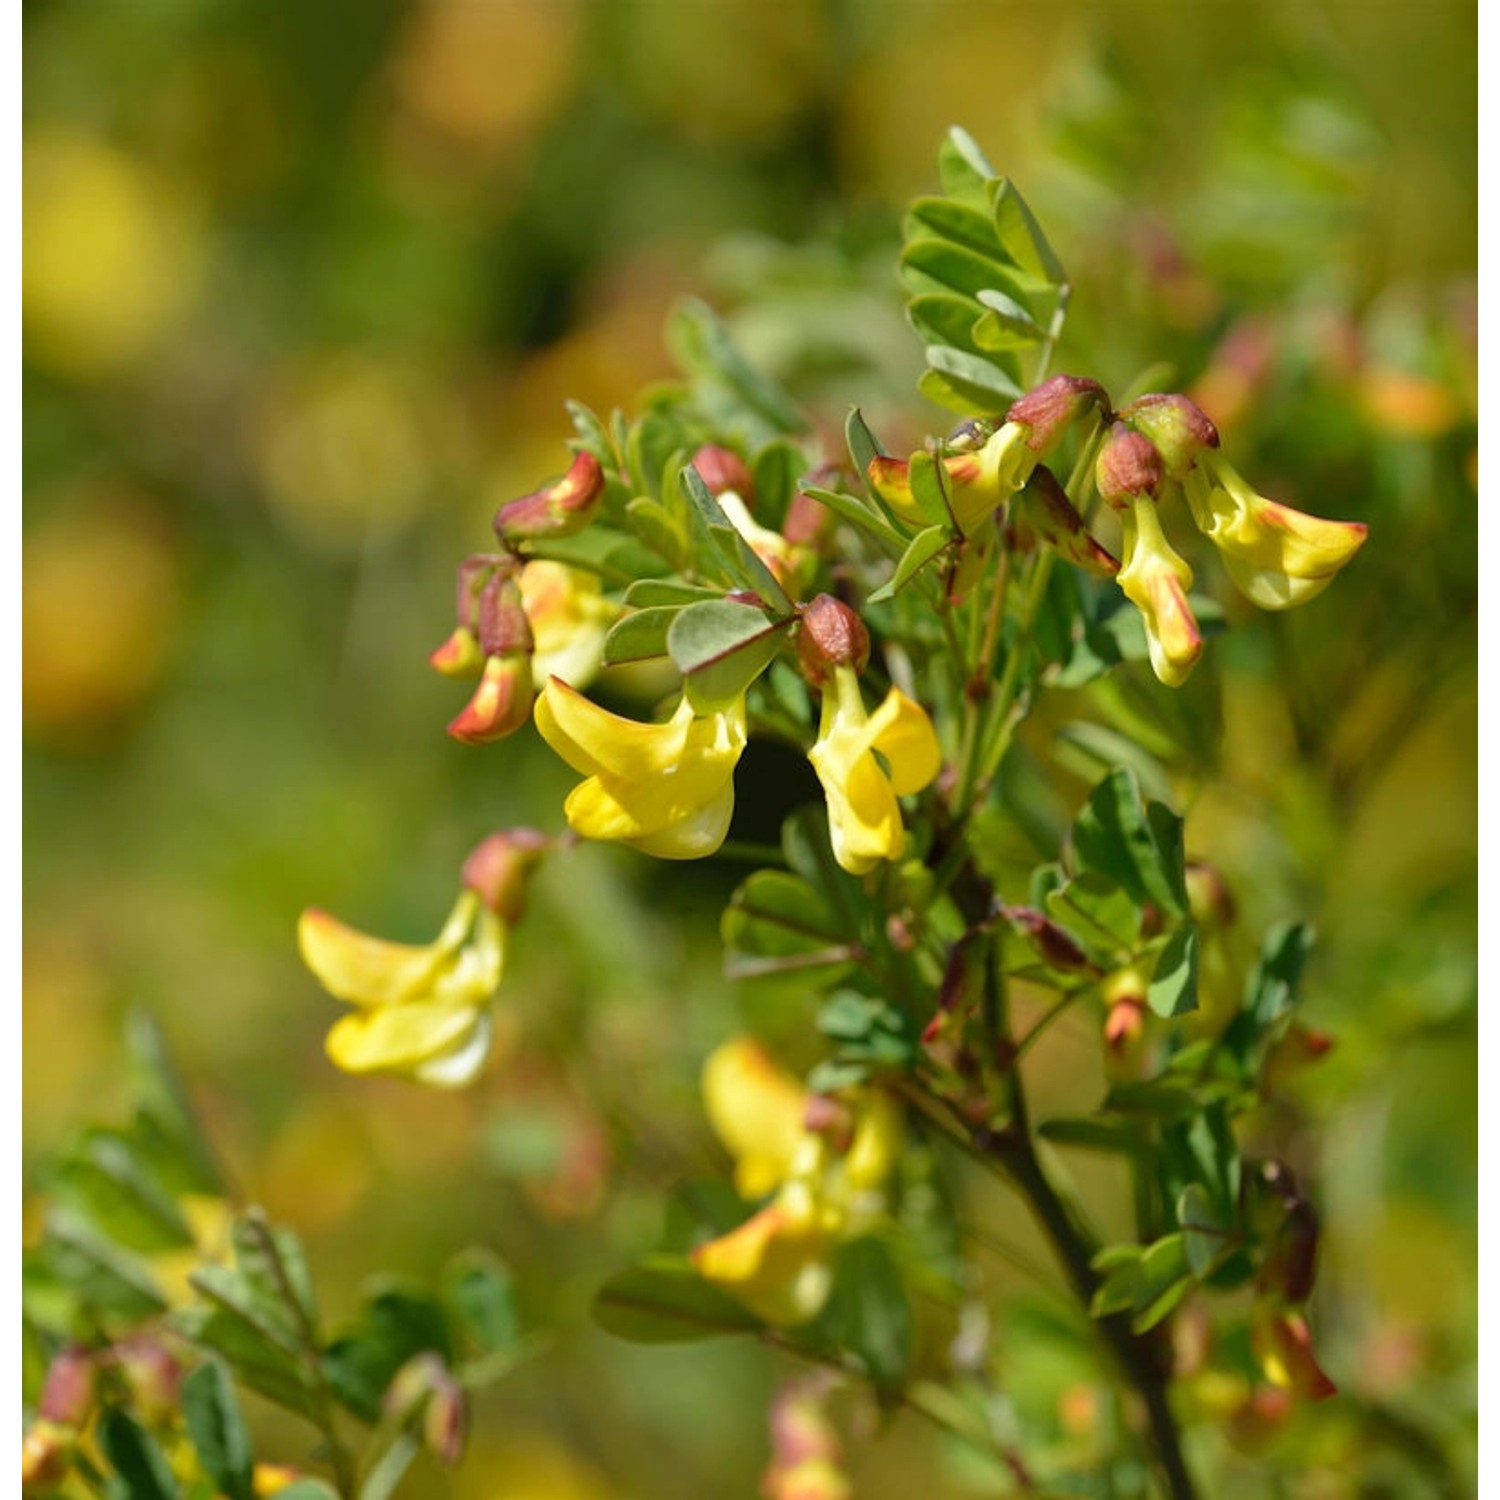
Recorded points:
305,288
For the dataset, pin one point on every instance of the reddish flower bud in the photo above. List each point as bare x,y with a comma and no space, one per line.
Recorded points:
1042,505
501,703
556,510
1128,466
498,869
1177,428
1282,1342
153,1375
1125,1025
809,523
830,635
504,629
446,1423
723,469
1053,406
1056,946
68,1391
1209,899
44,1454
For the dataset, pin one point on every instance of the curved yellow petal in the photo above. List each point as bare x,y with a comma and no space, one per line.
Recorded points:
879,1134
400,1038
864,818
365,970
693,837
592,740
902,732
777,1263
756,1109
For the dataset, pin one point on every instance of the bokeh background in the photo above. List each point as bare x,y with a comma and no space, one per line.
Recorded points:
305,288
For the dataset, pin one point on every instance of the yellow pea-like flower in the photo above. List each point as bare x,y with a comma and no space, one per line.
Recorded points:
864,817
420,1011
570,618
1156,580
1277,557
665,789
757,1110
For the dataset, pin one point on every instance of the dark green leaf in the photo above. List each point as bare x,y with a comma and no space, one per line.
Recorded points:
273,1263
862,443
214,1422
776,923
133,1454
652,593
776,468
182,1160
1207,1233
1165,1280
847,508
665,1301
477,1289
1173,990
702,345
1140,848
1099,913
1097,1135
869,1314
104,1181
257,1361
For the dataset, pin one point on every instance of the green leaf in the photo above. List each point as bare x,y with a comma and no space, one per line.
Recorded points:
1120,1266
181,1158
847,508
477,1290
106,1279
104,1181
655,525
929,489
1021,236
702,345
257,1361
863,445
214,1422
750,568
592,433
950,219
963,169
941,318
869,1314
1272,987
133,1454
925,546
665,1301
1119,1136
1165,1280
1099,913
776,923
940,265
721,647
307,1489
1173,990
775,469
396,1323
990,388
1138,847
271,1259
640,635
651,593
869,1031
1005,324
1207,1234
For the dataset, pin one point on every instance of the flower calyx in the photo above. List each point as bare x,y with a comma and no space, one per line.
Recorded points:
830,635
557,510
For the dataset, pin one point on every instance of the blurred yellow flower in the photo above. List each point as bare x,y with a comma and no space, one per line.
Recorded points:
422,1012
569,618
826,1161
665,789
864,817
112,258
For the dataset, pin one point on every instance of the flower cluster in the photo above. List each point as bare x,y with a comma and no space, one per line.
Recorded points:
824,1161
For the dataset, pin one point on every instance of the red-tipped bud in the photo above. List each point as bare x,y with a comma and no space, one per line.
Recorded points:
68,1391
1056,946
1043,507
828,1117
1209,898
1052,407
723,469
557,510
498,869
1291,1267
1177,428
504,629
459,655
411,1386
830,635
446,1422
501,703
1125,1026
1128,466
152,1374
1282,1342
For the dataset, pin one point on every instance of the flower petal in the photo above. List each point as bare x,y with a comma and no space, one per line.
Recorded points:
1155,579
776,1263
459,1066
756,1109
366,970
401,1038
693,837
864,818
902,732
592,740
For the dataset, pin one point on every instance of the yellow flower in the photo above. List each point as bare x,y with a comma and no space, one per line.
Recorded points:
864,817
976,483
422,1012
825,1160
1156,580
569,619
1277,557
665,789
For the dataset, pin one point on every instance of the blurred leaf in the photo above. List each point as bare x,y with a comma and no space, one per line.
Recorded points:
941,318
179,1153
103,1180
135,1457
1139,847
847,508
775,470
1173,990
869,1314
702,346
1097,1135
1099,913
776,923
950,219
665,1301
1206,1234
1165,1280
105,1279
395,1323
217,1428
477,1290
655,526
273,1263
